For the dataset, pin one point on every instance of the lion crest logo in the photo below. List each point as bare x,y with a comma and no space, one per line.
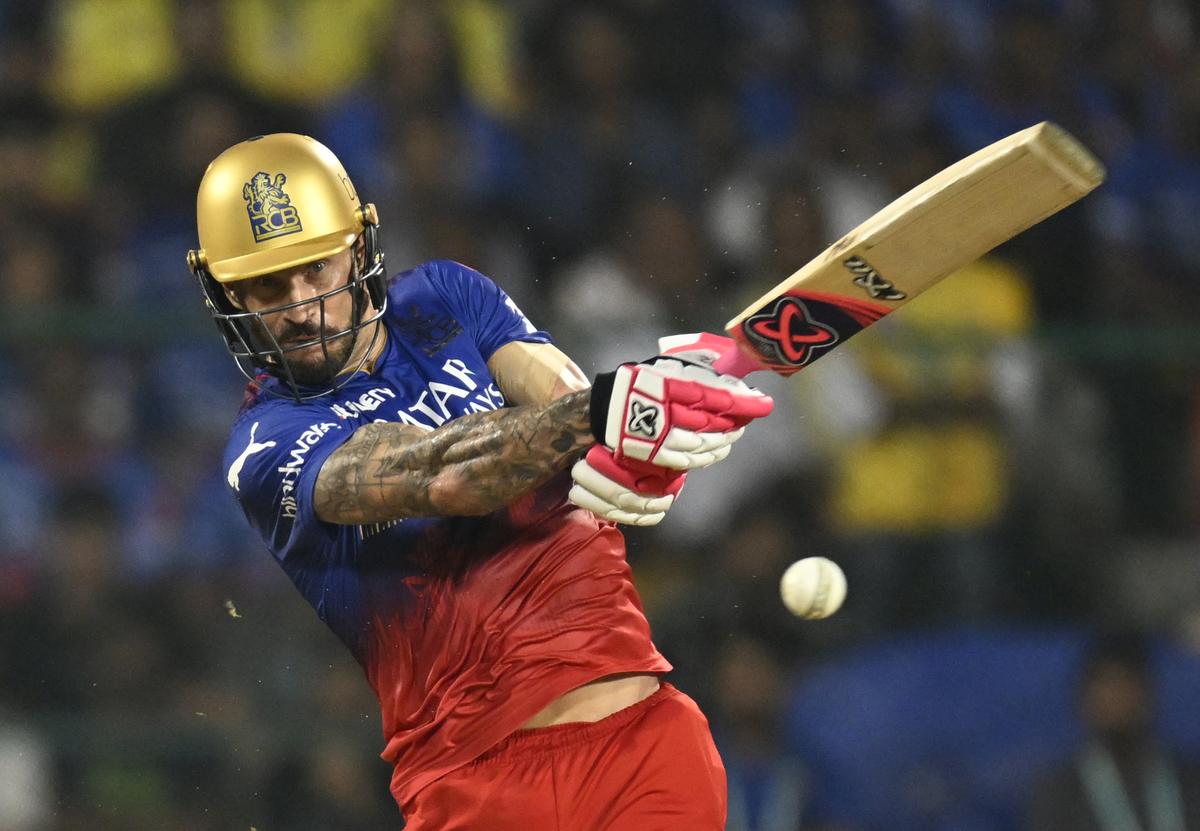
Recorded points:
270,208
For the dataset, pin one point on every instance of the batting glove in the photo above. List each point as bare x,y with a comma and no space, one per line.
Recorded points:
629,492
672,413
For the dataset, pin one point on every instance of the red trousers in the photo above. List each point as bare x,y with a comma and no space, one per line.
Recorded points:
649,767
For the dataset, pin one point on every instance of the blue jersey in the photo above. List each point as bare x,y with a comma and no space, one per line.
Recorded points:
466,626
444,321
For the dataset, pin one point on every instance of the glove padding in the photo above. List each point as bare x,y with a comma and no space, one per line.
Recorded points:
629,492
672,413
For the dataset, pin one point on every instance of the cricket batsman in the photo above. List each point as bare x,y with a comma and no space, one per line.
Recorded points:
442,484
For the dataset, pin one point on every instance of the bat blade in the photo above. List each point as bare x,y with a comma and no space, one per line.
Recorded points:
941,225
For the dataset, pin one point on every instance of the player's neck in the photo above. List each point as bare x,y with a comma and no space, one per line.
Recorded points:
371,340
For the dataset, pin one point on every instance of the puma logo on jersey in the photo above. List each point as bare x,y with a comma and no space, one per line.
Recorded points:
235,469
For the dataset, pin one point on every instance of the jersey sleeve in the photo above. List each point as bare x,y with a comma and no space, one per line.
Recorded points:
489,315
271,464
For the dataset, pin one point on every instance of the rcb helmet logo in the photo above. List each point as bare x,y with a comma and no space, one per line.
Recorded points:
270,208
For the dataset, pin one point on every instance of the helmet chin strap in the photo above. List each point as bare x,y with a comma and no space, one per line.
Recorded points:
360,304
366,360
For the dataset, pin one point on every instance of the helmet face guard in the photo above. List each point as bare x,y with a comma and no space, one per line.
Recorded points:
255,349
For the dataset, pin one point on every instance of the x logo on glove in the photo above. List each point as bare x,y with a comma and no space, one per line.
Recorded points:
644,419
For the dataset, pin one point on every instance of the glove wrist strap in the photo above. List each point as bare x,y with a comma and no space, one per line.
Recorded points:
602,387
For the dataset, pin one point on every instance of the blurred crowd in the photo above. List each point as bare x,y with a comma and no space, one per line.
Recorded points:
1019,446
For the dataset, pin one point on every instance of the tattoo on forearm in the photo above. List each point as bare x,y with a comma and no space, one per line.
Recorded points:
473,465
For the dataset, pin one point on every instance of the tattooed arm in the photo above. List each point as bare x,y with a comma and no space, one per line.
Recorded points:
473,465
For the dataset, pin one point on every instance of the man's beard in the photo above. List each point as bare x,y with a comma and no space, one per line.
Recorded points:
311,366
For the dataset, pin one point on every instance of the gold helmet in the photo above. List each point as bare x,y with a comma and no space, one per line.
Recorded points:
272,203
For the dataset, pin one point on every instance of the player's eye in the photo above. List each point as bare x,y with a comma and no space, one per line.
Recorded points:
319,265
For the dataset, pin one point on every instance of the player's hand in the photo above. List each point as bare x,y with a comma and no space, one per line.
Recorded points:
629,492
673,413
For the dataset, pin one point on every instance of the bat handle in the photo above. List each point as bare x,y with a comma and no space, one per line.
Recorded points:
730,357
737,362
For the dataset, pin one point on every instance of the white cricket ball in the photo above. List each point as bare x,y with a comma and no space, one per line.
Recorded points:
813,587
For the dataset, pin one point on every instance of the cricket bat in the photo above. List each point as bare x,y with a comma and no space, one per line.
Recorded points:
936,228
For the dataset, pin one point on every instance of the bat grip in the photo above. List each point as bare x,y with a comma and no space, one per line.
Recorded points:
737,362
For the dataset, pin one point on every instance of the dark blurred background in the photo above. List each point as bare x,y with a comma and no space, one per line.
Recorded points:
1006,470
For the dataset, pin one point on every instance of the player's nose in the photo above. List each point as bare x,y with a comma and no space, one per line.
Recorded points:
297,308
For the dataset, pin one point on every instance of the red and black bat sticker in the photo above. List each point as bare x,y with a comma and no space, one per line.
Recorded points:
794,330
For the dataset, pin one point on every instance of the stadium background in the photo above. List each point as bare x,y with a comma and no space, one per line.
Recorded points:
1005,469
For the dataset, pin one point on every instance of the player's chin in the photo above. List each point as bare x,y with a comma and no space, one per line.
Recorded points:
310,366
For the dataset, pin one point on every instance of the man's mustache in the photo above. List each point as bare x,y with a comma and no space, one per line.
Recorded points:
299,332
295,334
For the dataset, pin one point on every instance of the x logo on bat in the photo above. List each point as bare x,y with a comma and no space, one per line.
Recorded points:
644,419
789,332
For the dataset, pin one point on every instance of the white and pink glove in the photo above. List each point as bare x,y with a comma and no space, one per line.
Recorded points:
656,420
630,492
672,411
